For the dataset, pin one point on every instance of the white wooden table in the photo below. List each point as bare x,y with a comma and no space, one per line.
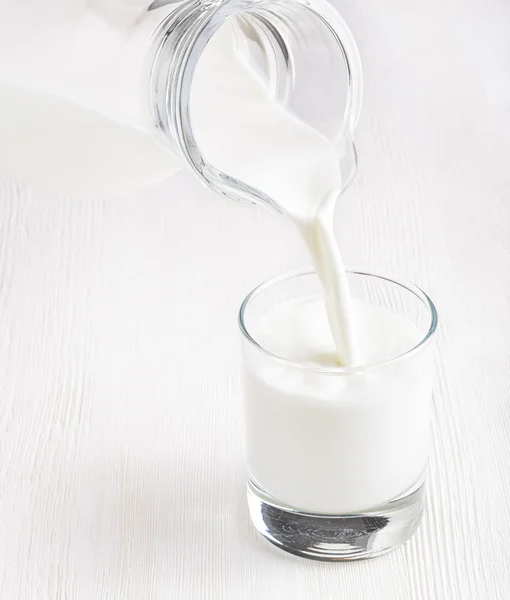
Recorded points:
121,464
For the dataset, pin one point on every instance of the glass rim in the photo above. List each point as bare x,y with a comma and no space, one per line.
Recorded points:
356,370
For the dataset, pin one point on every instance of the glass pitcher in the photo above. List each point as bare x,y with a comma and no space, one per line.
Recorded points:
132,62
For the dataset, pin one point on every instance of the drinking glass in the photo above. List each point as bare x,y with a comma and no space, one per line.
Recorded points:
337,455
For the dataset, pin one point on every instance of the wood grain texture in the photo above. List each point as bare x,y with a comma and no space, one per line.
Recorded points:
121,459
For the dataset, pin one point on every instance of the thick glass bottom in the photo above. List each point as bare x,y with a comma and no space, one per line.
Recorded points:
337,537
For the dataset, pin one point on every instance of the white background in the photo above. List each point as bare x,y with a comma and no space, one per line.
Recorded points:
121,461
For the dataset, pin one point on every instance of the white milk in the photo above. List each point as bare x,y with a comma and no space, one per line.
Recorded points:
337,444
327,445
244,133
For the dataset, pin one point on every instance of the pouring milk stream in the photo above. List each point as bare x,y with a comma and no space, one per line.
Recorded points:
245,133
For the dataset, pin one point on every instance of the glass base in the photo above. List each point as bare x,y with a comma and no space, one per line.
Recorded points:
337,537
